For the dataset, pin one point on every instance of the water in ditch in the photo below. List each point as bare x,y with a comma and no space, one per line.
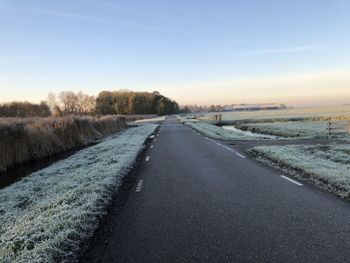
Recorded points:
249,133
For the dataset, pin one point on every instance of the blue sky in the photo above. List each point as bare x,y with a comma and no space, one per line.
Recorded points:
197,51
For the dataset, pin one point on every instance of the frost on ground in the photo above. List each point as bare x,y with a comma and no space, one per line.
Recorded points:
327,166
156,119
292,129
216,132
44,217
324,113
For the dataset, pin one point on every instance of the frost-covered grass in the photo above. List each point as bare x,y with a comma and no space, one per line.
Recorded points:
216,132
44,217
341,112
293,129
327,166
155,119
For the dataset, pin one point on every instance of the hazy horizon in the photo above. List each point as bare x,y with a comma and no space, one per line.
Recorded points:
196,52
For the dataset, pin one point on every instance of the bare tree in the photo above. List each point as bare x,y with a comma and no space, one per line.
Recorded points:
69,101
53,104
85,103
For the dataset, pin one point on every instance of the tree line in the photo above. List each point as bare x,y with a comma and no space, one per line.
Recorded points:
130,102
201,108
24,109
106,103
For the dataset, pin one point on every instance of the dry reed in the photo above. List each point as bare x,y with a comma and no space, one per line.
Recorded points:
27,139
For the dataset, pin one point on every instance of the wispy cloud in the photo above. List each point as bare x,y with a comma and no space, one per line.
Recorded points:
90,18
296,49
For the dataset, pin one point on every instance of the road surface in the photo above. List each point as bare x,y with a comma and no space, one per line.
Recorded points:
198,200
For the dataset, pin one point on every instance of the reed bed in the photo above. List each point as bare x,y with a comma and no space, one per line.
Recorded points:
27,139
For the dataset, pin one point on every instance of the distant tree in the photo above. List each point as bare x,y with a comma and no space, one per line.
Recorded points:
141,103
122,101
212,108
85,104
24,109
68,102
283,106
219,108
53,103
105,103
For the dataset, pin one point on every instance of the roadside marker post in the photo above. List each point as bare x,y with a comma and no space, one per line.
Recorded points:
338,127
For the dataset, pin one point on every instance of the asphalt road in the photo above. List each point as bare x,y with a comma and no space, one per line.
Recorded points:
196,200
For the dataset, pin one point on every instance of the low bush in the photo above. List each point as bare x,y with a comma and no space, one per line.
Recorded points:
27,139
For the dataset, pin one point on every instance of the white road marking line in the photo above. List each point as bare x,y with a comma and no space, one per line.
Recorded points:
291,180
229,149
139,186
147,158
240,155
152,146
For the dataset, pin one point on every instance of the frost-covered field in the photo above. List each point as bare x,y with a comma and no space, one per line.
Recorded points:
317,113
305,123
293,129
216,132
44,217
327,166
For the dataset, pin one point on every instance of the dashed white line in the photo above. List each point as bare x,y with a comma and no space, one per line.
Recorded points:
291,180
240,155
228,148
152,146
139,186
147,158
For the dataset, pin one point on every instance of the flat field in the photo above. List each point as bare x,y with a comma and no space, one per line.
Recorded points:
305,123
341,112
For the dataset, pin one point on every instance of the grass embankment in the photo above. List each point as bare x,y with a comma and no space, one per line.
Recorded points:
290,129
26,139
216,132
327,166
46,216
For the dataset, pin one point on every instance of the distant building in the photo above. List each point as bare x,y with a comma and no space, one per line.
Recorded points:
252,107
